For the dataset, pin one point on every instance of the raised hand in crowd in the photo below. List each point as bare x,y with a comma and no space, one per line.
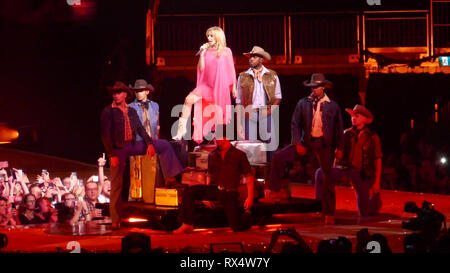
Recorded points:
53,191
20,179
78,191
11,186
40,179
4,182
101,173
73,180
58,183
102,161
4,186
25,178
46,175
78,211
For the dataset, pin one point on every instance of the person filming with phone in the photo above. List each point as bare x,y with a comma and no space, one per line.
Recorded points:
91,199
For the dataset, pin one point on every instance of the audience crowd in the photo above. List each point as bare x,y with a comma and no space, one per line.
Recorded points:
51,200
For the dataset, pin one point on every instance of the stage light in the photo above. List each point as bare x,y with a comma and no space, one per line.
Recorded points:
274,226
7,134
201,229
271,229
136,220
443,160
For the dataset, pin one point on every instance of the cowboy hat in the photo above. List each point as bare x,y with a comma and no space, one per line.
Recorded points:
316,80
259,51
362,110
119,87
142,85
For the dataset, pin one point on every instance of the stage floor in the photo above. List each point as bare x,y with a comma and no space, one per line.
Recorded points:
308,225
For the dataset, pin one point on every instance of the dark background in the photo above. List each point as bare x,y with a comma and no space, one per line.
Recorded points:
54,68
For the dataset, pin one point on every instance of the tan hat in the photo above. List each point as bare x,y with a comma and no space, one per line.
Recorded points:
259,51
142,85
362,110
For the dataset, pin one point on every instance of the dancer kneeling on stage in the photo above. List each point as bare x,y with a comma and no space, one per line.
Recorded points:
226,164
360,164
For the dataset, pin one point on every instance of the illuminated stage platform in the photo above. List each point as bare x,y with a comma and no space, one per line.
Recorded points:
165,218
308,225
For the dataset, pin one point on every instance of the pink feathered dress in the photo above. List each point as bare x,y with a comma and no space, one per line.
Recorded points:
214,86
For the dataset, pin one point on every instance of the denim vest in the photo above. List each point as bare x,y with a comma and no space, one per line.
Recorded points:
153,111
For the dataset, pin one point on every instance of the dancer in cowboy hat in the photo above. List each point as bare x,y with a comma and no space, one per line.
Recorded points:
119,126
148,112
317,126
360,164
259,88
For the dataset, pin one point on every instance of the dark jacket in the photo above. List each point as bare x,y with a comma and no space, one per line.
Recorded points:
301,124
371,150
112,127
227,172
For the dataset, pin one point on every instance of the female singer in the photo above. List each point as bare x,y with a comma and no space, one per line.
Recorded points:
216,79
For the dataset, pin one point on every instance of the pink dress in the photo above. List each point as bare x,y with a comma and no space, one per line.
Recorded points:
214,86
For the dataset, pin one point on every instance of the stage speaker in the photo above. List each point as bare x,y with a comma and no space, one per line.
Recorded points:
144,173
136,242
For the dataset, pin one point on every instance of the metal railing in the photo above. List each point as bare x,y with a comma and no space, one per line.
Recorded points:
285,34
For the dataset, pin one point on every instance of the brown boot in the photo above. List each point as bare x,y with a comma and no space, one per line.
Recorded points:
185,228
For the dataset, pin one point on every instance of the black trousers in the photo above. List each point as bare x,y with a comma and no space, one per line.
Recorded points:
237,220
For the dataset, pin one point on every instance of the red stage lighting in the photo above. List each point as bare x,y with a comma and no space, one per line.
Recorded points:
7,134
135,220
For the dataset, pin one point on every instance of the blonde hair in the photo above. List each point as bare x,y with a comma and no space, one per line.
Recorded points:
219,36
